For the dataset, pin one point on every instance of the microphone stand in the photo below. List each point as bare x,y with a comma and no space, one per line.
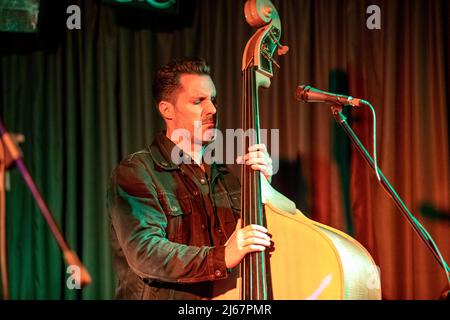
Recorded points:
342,121
70,256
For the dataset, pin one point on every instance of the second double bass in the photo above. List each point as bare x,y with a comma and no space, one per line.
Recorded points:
309,260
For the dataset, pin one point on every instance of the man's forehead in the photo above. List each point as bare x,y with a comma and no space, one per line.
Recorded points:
197,85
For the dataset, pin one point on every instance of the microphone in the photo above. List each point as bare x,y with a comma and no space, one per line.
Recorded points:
310,94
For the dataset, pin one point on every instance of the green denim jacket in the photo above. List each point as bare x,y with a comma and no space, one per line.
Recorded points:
162,241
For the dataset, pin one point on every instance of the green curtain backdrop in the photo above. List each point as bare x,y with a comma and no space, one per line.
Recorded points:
83,100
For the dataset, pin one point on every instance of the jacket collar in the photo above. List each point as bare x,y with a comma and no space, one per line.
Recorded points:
160,151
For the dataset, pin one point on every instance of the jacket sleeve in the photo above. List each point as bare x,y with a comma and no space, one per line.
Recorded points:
140,222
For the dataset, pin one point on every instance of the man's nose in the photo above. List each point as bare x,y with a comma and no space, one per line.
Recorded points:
210,108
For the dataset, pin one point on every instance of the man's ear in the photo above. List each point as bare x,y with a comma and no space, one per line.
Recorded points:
166,109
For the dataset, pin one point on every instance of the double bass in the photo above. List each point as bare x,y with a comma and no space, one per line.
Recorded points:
308,260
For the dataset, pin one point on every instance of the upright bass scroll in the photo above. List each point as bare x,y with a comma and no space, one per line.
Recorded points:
261,47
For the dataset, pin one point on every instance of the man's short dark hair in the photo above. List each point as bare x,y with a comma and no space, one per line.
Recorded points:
167,79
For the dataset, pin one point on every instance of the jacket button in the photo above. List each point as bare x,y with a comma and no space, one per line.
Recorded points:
218,273
174,208
202,181
219,231
203,226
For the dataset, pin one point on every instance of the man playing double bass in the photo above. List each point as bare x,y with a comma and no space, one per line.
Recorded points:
175,224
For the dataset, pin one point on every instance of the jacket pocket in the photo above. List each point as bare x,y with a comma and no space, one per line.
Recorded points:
178,211
235,201
228,211
176,206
